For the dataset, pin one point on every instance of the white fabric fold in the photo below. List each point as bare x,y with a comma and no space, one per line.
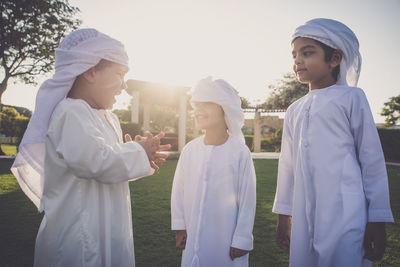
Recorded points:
77,53
222,93
338,36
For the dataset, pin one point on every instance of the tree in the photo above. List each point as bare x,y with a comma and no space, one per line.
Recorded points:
21,110
30,31
245,103
285,92
391,110
11,122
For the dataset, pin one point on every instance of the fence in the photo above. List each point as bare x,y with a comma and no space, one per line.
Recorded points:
9,140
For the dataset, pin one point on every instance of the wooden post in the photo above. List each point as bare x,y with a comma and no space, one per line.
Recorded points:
146,117
135,107
257,132
182,123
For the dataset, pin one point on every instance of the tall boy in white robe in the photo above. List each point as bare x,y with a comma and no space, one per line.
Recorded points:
214,190
332,181
73,163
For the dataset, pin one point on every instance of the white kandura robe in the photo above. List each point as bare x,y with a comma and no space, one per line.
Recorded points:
332,177
87,220
214,199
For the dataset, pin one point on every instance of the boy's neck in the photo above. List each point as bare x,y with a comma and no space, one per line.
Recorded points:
321,84
75,93
216,137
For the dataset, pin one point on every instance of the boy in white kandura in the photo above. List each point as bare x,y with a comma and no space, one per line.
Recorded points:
213,198
332,186
73,163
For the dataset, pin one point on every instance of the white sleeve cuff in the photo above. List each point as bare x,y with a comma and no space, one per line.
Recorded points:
282,209
380,215
242,242
178,224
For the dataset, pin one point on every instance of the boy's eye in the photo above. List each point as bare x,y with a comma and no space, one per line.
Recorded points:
307,53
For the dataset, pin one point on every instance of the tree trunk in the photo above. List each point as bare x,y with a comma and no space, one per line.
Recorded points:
3,87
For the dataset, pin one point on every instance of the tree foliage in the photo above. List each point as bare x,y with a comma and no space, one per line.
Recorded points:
285,92
30,31
245,103
12,123
391,110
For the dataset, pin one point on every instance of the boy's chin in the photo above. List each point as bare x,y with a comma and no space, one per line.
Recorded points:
110,104
302,80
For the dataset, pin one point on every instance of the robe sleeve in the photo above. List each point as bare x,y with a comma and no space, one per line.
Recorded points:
371,159
243,235
82,146
285,183
177,196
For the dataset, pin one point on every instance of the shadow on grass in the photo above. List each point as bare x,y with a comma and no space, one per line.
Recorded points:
20,222
5,165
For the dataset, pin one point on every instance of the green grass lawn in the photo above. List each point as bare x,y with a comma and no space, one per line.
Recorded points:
154,242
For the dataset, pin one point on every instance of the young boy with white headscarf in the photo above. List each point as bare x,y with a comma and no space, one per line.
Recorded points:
332,185
73,163
214,190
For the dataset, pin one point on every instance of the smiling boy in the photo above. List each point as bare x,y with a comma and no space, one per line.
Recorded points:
73,163
213,197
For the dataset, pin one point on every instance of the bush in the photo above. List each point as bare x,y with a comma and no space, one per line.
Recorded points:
390,140
130,128
249,139
12,123
172,139
269,144
20,127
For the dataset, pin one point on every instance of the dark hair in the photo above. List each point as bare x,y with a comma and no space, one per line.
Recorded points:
328,56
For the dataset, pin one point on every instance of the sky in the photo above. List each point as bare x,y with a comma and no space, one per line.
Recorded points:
246,43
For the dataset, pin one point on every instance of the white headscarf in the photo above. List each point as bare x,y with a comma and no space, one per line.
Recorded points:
223,94
77,53
338,36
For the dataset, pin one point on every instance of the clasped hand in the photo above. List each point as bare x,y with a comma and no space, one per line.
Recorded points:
151,144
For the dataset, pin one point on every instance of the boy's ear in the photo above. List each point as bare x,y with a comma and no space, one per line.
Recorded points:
89,75
336,59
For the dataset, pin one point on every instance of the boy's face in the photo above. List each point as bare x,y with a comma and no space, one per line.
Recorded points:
107,83
309,63
208,115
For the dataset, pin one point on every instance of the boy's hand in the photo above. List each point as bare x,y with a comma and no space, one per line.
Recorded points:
181,237
151,145
374,241
283,232
237,253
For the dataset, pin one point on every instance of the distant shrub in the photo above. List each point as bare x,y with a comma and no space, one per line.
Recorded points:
390,140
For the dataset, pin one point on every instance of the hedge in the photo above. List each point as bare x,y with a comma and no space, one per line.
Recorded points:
130,128
390,140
